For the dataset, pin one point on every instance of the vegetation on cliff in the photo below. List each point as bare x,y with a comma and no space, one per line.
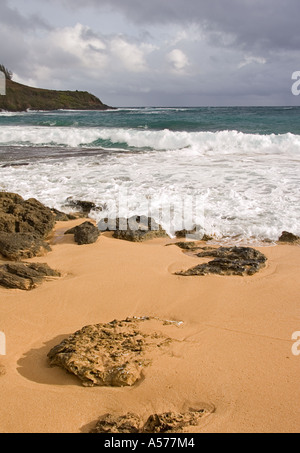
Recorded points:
21,98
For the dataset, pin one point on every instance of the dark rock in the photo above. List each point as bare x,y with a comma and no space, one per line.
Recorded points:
19,216
84,206
62,216
196,233
289,237
228,261
19,246
187,245
135,229
113,354
233,253
86,233
25,276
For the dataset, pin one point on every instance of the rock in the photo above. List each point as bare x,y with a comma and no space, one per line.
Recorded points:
19,216
25,276
187,245
172,422
62,216
84,206
135,229
126,424
288,237
228,261
168,422
19,246
86,233
196,233
113,354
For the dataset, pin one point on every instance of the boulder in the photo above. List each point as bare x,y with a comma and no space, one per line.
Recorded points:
25,276
135,228
228,261
113,354
86,233
20,216
19,246
288,237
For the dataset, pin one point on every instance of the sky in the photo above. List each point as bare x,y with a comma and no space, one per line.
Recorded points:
158,52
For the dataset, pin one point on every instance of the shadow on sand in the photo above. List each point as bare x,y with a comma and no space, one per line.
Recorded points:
34,366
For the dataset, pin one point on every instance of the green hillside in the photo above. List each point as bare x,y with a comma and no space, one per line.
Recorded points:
21,97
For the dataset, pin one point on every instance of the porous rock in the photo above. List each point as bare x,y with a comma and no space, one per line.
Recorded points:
112,354
168,422
19,246
20,216
111,424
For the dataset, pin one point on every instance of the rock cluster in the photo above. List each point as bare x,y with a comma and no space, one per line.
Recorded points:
168,422
135,228
25,276
86,233
227,261
112,354
24,226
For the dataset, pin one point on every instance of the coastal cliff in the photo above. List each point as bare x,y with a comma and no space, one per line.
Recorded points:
21,98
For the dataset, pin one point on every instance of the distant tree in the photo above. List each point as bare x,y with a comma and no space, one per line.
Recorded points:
8,74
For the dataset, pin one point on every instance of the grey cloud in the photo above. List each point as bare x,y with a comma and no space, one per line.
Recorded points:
13,18
260,24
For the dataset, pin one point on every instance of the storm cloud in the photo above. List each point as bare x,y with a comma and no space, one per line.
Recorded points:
179,52
269,24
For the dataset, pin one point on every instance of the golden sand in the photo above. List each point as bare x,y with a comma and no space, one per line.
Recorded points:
233,351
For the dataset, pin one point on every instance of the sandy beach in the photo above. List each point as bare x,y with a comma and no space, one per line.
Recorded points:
232,353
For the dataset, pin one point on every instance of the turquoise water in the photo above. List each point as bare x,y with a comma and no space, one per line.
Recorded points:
249,120
243,164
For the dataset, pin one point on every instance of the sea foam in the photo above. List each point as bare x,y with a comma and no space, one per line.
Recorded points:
246,185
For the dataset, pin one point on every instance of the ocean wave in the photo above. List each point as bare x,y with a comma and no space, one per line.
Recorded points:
223,142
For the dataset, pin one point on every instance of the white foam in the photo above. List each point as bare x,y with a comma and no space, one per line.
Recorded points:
224,142
248,184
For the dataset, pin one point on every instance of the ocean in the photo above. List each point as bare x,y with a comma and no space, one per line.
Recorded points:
233,171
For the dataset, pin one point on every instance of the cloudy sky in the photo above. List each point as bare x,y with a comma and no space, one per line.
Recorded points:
156,52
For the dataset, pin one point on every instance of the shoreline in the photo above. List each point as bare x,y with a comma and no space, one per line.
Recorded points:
233,351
